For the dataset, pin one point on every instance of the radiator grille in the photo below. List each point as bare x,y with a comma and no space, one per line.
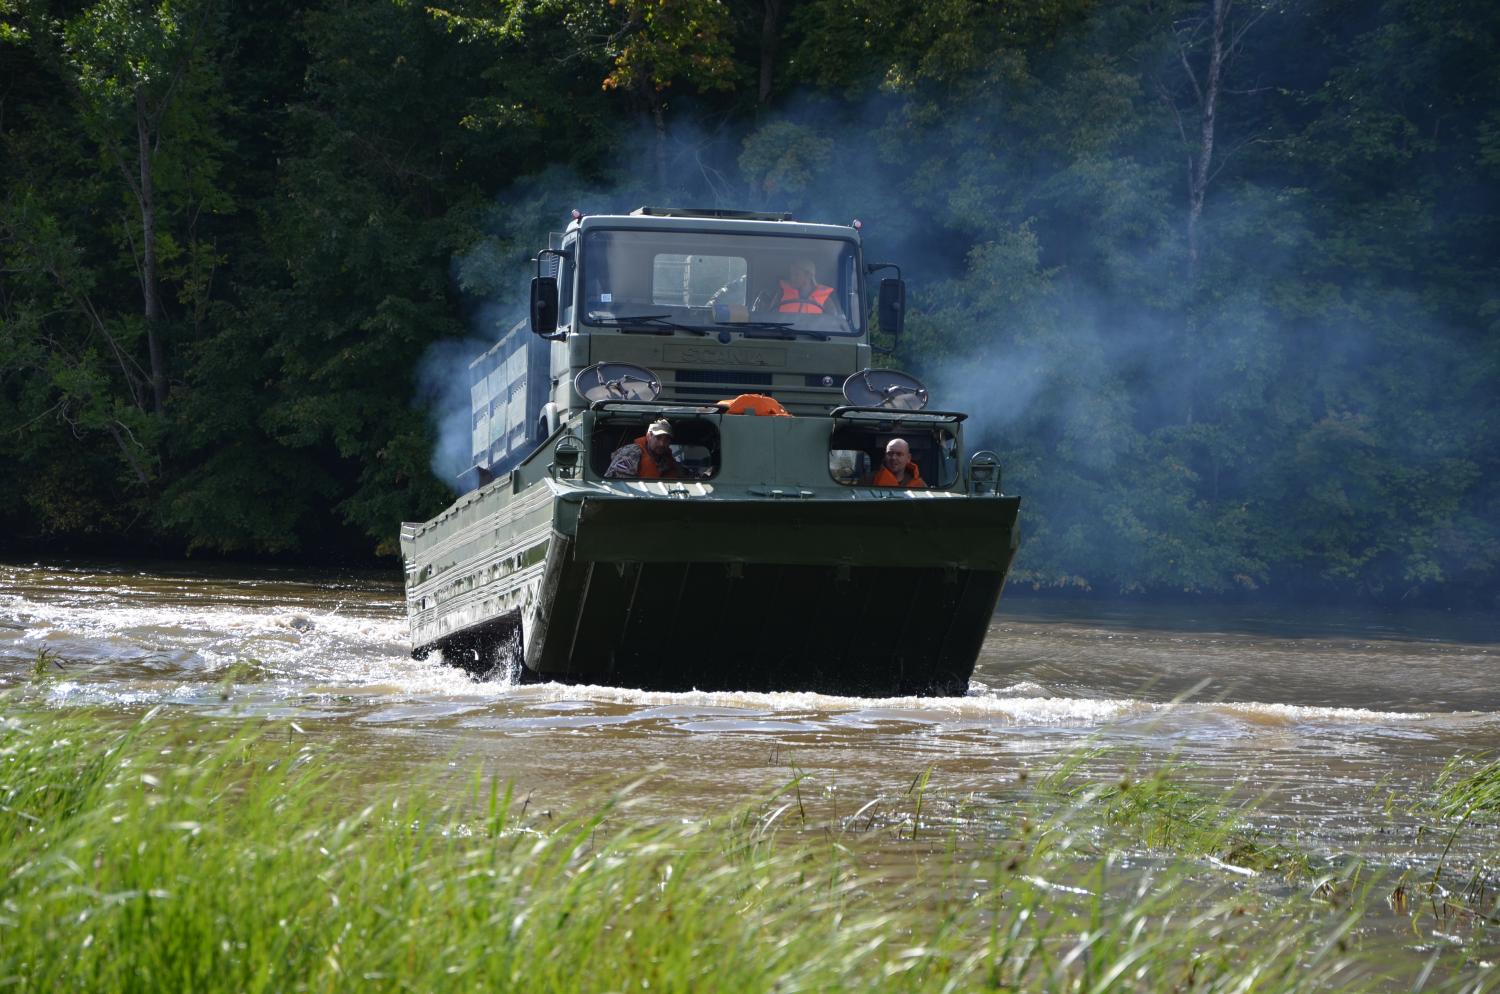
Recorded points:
722,376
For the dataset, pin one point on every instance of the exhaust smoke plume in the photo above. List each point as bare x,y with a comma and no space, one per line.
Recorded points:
1219,415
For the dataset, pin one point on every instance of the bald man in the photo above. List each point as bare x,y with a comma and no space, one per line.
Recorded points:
897,469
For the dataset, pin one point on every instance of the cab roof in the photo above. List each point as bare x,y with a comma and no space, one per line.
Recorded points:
713,219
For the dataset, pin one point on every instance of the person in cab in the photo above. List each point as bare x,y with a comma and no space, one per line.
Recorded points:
897,468
801,293
649,457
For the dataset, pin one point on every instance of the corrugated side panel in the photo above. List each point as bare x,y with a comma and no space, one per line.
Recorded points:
510,385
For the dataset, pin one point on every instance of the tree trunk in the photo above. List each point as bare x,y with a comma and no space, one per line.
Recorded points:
149,290
128,453
1199,174
770,36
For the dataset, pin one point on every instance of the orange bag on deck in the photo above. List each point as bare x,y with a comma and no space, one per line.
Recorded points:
754,403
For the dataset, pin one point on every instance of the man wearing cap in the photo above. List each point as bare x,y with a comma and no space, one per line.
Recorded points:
648,457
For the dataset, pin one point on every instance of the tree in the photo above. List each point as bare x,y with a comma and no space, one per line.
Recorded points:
642,47
1204,44
112,167
142,85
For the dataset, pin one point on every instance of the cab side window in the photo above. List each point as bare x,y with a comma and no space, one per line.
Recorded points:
855,454
565,287
694,445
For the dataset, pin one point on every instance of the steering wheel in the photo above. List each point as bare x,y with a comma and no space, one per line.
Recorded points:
767,300
718,295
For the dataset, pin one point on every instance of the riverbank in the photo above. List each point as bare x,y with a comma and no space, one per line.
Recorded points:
156,855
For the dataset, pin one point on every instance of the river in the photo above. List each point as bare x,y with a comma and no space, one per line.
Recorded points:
1331,719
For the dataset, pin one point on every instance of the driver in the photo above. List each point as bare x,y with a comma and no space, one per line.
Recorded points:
801,293
648,457
897,468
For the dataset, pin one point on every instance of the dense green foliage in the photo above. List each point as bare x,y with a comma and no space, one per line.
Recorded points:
1217,278
159,857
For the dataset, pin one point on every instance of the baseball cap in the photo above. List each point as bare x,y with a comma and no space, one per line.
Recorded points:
662,427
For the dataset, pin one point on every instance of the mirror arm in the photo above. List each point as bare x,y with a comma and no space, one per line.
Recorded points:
559,253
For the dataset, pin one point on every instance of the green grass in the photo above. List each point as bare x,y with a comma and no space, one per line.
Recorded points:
141,859
47,661
1465,805
1157,809
1467,792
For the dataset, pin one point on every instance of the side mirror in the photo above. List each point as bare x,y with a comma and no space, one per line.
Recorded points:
892,307
544,304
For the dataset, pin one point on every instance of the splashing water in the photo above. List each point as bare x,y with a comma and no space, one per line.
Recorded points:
1327,717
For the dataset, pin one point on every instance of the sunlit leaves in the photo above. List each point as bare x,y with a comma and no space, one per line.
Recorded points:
643,45
118,47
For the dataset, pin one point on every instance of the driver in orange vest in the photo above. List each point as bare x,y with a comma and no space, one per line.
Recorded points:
897,469
801,293
648,457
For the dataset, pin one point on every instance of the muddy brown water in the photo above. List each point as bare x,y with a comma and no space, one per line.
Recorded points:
1332,719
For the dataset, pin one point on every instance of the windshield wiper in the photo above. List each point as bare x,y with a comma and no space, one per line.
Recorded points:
789,331
653,321
788,327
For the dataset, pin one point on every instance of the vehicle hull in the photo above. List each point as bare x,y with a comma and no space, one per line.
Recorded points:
671,589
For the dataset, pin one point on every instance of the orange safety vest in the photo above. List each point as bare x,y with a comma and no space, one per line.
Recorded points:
754,403
650,471
794,302
885,478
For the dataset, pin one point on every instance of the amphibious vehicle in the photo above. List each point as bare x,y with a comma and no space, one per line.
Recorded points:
677,476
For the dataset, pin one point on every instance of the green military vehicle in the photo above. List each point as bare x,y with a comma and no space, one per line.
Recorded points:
681,478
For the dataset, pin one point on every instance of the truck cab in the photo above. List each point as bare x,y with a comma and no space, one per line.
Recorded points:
703,306
708,303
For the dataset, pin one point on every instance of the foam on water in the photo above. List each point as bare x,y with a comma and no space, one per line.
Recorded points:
141,639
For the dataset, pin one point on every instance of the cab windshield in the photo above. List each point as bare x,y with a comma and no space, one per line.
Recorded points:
763,285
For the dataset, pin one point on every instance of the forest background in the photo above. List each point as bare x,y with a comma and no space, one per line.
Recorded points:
1218,279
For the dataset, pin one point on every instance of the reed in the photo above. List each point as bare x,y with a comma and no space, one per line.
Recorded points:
147,860
1158,808
1463,889
47,662
1469,789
